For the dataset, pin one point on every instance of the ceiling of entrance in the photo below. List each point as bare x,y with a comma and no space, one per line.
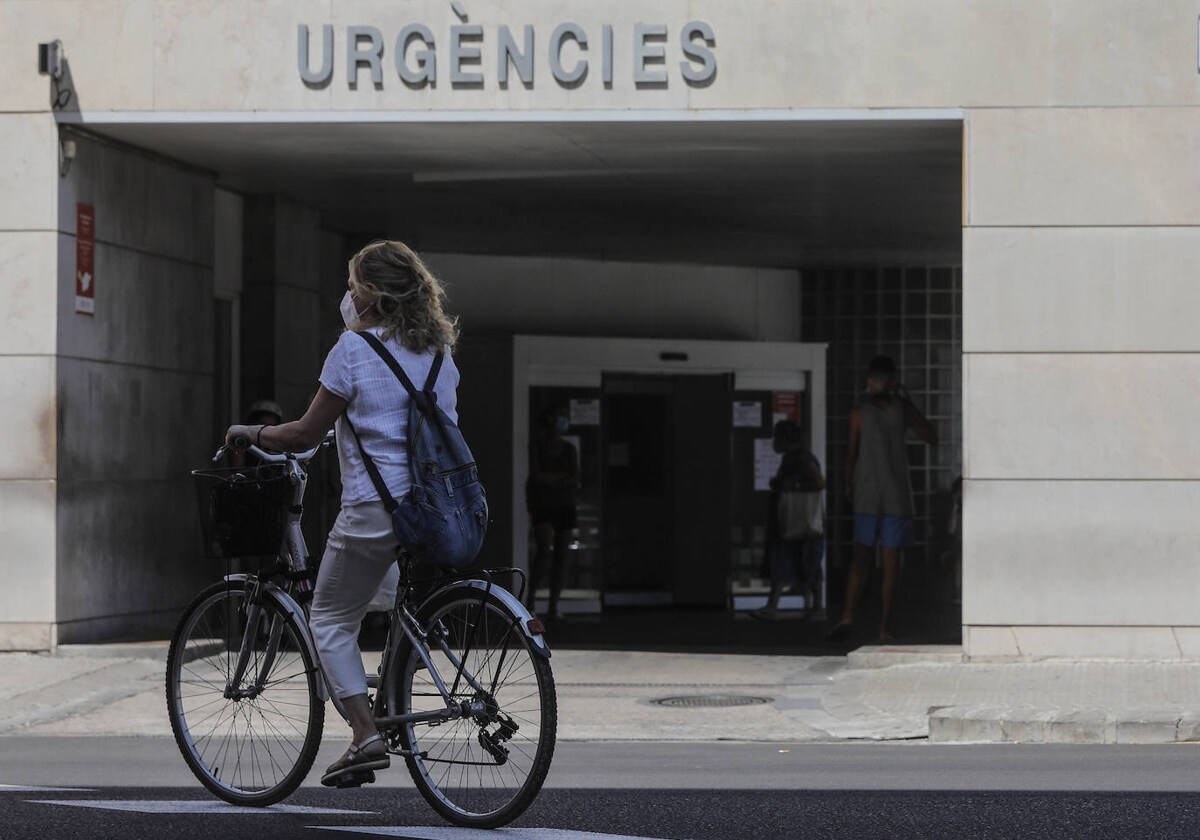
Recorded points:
751,193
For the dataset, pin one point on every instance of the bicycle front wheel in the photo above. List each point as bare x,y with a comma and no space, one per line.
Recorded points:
253,742
481,770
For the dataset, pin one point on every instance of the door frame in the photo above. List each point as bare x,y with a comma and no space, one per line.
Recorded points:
567,361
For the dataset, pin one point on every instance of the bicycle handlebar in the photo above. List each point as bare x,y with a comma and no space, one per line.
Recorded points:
243,442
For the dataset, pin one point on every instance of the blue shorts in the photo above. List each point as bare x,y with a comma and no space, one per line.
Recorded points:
887,531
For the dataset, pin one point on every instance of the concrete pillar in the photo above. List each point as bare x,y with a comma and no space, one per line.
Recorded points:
281,295
29,295
1081,357
289,321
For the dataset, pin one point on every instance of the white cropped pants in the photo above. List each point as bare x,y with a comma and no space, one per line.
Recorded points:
358,575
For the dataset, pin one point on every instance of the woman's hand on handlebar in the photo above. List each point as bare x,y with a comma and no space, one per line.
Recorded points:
239,437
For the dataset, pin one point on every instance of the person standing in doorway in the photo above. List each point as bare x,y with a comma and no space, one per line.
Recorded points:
551,497
793,559
878,484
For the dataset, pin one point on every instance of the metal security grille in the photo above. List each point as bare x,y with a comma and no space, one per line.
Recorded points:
913,315
710,701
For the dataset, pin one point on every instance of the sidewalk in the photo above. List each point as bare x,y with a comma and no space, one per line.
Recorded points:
878,694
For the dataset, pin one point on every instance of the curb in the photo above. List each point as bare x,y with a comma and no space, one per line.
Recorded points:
885,656
1062,726
118,650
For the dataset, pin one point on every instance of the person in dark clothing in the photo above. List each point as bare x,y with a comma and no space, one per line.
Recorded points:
799,559
551,498
878,484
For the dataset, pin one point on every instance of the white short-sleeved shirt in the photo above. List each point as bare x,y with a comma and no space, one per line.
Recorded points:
378,407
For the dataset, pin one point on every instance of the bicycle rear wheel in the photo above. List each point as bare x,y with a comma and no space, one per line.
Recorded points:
252,743
483,770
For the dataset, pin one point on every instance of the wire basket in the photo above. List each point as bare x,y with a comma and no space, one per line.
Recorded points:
243,511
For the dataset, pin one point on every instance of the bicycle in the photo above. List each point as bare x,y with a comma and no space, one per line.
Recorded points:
464,690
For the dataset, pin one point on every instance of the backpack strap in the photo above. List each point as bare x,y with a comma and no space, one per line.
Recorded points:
425,401
435,368
425,398
389,503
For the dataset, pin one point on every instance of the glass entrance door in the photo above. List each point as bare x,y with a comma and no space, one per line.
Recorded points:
666,503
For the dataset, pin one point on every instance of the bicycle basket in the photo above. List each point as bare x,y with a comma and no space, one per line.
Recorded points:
243,511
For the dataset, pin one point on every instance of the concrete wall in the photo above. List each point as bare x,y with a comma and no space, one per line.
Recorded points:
1079,262
218,55
1079,197
134,394
561,296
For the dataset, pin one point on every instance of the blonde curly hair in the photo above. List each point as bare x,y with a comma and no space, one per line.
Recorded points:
406,296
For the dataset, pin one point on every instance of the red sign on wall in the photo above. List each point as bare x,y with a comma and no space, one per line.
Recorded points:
787,406
85,259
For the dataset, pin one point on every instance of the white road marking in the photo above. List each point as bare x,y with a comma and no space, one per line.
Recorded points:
188,806
43,789
427,832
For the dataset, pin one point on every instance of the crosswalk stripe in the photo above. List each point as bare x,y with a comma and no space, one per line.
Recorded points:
189,806
433,832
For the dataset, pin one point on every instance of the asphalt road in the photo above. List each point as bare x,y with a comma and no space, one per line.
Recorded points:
140,787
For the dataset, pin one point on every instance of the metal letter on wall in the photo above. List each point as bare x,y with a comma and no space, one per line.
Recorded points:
522,61
702,76
460,54
426,72
372,56
606,54
323,76
575,76
643,52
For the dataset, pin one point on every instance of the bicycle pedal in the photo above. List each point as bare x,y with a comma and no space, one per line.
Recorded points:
356,779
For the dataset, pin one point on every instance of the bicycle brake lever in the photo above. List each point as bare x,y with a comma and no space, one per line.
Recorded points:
220,454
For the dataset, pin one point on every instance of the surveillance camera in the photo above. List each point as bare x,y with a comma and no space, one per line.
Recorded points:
66,154
50,59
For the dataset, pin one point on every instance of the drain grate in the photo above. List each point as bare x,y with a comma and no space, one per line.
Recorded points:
702,701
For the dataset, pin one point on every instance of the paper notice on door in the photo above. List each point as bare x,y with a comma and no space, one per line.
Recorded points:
766,463
747,413
585,412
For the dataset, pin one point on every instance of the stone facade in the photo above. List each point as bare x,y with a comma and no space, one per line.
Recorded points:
1080,221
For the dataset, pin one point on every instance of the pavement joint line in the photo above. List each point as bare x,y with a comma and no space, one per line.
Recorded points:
52,712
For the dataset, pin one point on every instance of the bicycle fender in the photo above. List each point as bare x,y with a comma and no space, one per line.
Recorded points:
286,601
510,601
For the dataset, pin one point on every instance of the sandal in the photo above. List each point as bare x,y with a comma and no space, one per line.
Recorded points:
838,633
357,765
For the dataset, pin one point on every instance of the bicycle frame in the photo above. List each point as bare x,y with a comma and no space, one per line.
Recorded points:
295,598
405,626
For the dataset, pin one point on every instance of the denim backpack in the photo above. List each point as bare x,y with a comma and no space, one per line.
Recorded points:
444,516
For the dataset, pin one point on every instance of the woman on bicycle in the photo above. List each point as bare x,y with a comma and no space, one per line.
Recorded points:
394,296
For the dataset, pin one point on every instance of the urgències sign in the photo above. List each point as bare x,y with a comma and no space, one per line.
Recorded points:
420,55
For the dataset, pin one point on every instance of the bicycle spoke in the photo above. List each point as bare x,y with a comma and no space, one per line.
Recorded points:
477,767
253,742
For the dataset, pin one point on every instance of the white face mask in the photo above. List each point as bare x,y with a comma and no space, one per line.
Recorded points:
349,311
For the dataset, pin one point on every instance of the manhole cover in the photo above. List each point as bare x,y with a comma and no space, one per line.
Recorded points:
710,700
